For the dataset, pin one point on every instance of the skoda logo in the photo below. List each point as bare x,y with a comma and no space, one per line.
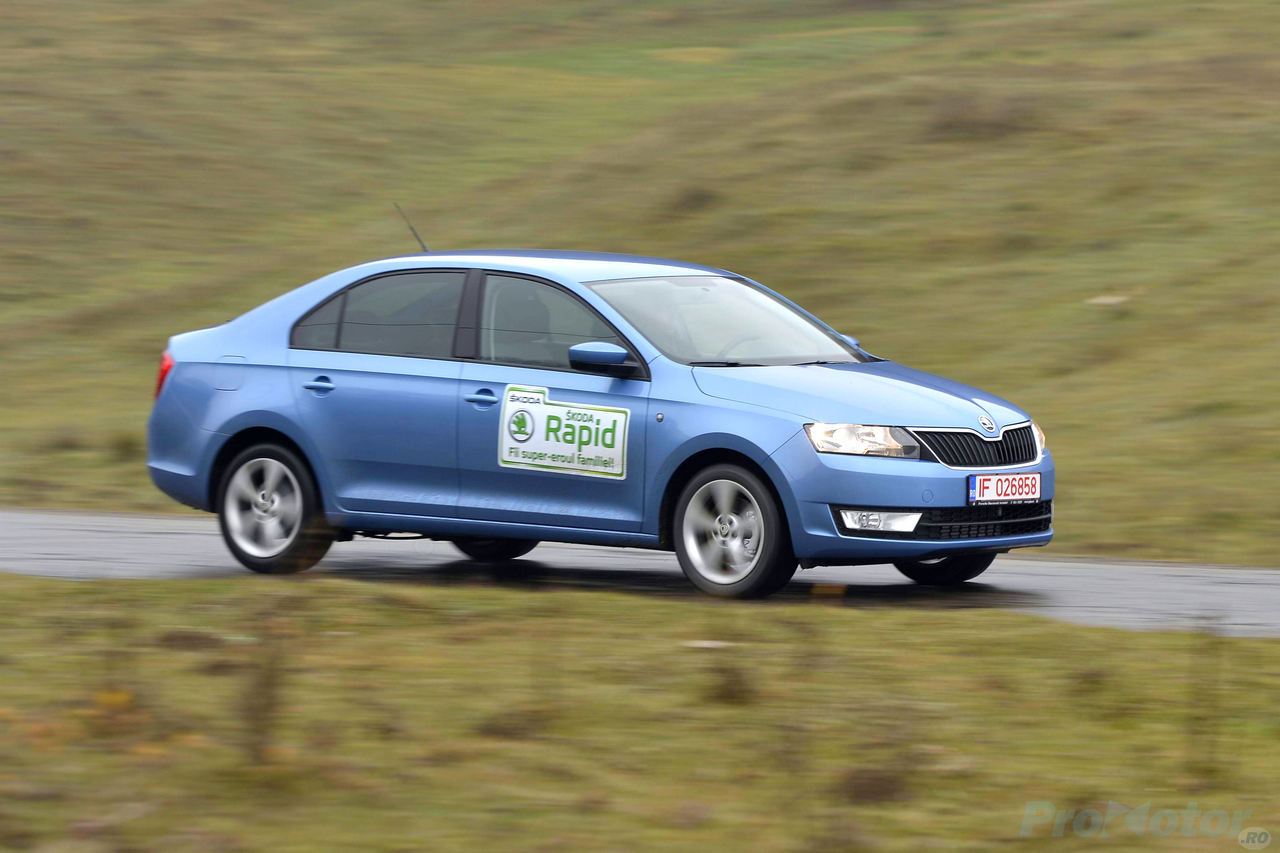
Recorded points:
986,423
520,425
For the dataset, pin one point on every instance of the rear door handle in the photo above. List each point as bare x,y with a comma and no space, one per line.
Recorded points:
483,397
321,385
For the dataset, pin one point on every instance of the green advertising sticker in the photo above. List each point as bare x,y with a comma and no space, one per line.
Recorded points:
571,438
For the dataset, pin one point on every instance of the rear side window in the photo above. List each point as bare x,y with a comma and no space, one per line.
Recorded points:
411,314
529,323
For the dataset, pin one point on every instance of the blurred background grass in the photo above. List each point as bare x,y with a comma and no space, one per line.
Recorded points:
1069,203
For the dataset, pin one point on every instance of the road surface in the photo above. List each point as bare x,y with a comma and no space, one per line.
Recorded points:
1140,596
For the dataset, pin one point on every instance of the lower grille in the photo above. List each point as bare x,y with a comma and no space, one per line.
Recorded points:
968,522
970,450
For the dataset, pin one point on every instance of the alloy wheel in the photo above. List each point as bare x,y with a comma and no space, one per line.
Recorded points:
263,507
723,531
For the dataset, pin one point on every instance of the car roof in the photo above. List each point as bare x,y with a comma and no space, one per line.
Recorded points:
574,266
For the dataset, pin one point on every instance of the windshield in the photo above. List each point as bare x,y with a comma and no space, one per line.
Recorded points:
713,320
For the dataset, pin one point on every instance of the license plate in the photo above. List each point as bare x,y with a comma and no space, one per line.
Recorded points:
1003,488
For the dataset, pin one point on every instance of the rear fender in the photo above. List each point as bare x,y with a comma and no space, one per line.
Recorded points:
278,422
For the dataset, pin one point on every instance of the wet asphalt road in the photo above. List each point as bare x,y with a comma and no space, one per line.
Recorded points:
1139,596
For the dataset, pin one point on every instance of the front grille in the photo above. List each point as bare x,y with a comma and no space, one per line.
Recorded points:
970,450
968,522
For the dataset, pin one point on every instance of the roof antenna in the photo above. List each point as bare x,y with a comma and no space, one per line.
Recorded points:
411,228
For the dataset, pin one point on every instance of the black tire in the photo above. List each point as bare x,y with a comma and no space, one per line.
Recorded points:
773,563
948,571
312,537
495,550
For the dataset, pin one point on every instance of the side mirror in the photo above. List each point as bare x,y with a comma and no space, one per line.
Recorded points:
602,357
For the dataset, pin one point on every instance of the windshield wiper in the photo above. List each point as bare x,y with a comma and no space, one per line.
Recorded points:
724,364
821,361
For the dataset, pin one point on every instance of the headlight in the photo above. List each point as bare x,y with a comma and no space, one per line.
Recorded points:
863,440
1041,444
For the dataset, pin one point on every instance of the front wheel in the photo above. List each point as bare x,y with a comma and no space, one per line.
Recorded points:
946,571
495,550
730,536
269,511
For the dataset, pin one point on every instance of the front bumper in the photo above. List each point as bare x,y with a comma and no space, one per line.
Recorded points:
819,484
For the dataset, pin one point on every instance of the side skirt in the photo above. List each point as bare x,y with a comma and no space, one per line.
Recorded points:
447,528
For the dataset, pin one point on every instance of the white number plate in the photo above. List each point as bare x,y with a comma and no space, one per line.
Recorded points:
1003,488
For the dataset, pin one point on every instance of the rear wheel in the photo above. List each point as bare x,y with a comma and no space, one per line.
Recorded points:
946,571
730,536
269,511
495,550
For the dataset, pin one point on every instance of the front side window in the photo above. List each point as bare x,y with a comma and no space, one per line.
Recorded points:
713,320
408,314
530,323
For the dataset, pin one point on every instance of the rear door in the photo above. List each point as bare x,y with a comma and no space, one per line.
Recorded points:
539,442
376,383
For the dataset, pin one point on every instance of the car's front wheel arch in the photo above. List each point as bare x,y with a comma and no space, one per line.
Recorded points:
689,468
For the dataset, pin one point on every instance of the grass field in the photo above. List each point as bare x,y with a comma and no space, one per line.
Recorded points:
340,715
1067,202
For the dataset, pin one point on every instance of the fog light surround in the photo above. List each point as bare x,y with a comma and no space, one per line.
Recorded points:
879,521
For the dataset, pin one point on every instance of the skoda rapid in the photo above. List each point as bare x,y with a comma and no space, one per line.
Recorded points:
498,399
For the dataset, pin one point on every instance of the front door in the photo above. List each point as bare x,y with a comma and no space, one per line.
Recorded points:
538,442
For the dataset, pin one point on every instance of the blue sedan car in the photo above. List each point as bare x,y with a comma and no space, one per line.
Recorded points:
496,399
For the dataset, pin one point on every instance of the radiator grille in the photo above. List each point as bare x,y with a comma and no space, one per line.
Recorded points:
970,450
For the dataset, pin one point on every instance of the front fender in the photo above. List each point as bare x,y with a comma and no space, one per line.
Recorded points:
693,422
715,441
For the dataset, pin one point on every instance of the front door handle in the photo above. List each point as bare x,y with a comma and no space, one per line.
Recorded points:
321,385
483,397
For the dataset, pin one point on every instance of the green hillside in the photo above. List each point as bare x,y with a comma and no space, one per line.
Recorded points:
1071,204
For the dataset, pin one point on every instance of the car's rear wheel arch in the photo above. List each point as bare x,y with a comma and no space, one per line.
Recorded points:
689,468
248,438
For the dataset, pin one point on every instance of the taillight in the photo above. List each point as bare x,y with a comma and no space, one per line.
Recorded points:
166,364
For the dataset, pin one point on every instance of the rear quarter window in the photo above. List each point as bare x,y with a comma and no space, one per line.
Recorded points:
319,329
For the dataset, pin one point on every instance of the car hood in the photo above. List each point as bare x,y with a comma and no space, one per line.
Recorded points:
879,392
